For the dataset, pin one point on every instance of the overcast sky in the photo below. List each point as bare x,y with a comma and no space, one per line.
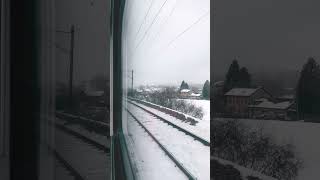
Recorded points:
265,34
91,53
171,44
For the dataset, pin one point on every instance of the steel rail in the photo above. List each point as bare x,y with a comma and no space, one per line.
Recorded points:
171,156
203,141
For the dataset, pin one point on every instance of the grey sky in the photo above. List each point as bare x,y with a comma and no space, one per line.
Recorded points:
157,52
91,17
265,34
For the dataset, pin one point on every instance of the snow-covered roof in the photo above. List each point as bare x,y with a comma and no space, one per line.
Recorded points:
196,95
185,90
241,92
288,96
271,105
261,99
219,83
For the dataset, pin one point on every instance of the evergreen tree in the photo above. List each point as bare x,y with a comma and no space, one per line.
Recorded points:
206,90
232,77
308,89
184,85
244,78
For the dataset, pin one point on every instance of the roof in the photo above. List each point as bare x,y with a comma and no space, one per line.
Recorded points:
241,91
271,105
219,83
196,95
185,90
288,96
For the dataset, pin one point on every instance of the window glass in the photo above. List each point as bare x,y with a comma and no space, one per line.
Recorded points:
75,79
166,60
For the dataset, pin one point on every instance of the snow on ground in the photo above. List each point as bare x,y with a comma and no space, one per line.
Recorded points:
81,130
149,161
201,129
245,172
304,136
194,156
204,104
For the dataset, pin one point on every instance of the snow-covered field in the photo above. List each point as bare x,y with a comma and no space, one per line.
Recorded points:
204,104
245,172
304,136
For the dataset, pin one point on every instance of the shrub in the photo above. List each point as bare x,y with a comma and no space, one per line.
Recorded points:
233,141
167,99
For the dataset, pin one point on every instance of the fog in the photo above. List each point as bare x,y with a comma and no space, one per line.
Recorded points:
265,35
167,41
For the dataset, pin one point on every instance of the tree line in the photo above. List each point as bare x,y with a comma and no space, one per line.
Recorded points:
205,88
237,77
308,89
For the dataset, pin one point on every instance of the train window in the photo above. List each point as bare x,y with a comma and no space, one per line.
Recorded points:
75,90
165,80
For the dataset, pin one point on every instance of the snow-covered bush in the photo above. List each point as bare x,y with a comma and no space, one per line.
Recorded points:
233,141
167,98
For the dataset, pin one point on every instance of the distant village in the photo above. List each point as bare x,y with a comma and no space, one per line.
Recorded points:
184,91
256,103
238,97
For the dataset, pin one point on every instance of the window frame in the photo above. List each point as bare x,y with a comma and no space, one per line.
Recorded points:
121,166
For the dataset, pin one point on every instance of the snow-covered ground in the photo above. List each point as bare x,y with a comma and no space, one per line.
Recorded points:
81,130
194,156
149,161
304,136
204,104
245,172
201,129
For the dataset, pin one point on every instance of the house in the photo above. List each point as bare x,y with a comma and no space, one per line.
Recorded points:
237,100
185,93
265,109
195,96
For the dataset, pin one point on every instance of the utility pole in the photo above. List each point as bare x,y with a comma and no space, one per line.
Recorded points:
132,80
71,65
71,58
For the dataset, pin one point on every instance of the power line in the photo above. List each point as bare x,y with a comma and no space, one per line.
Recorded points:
154,19
188,28
166,20
144,20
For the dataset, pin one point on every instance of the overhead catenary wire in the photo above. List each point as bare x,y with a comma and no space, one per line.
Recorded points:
165,21
144,20
149,27
188,28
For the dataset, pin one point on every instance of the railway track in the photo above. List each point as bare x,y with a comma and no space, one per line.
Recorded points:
167,152
179,145
79,156
203,141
